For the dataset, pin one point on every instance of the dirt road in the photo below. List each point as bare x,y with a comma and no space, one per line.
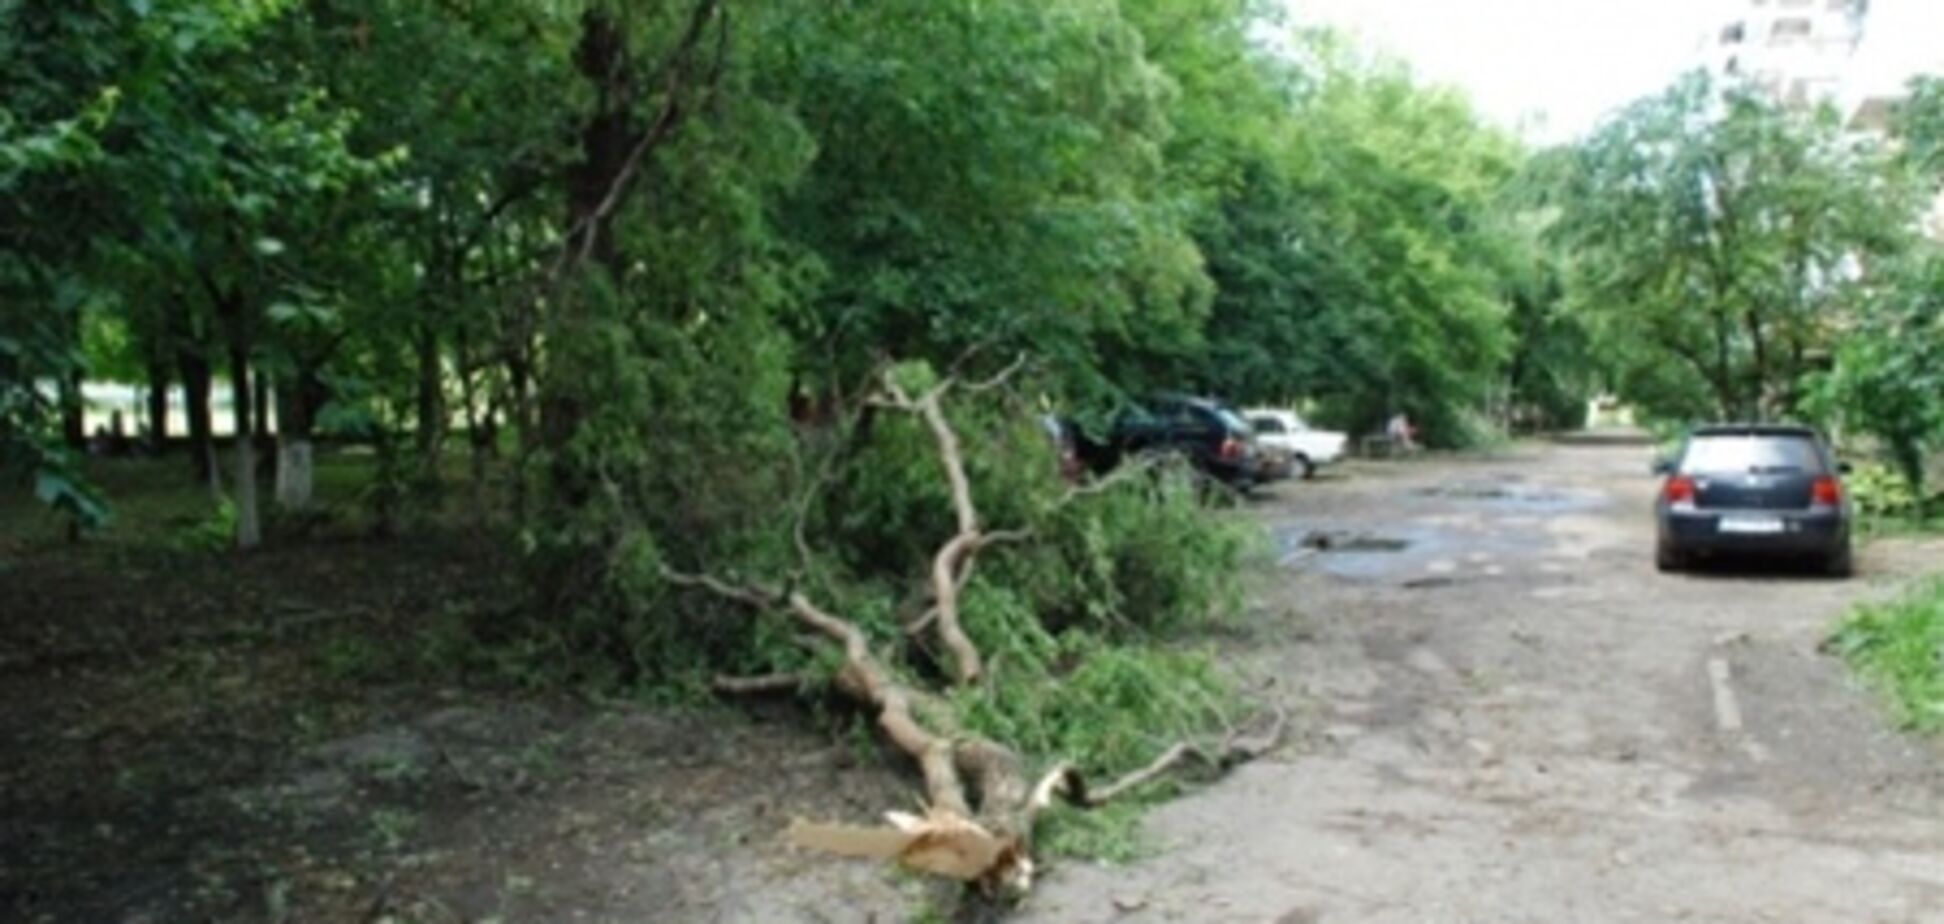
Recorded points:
1514,718
1506,716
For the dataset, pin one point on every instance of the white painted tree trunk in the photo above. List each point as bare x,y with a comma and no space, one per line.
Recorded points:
293,474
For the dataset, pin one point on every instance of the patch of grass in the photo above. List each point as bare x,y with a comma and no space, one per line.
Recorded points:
1110,833
1898,647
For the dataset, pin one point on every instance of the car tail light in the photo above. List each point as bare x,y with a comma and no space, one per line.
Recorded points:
1679,490
1827,492
1233,448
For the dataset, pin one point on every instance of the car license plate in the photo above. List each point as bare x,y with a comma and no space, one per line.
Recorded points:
1751,526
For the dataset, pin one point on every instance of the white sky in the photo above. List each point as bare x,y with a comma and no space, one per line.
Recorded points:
1555,67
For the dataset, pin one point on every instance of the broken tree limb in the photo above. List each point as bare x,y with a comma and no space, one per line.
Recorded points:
953,555
944,760
1065,781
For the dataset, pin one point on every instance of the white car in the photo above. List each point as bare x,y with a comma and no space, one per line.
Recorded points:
1285,432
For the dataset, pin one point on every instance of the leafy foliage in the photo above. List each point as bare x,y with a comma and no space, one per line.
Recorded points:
1716,238
1899,647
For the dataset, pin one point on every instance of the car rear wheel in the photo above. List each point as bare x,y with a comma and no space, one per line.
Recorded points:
1668,559
1305,469
1840,563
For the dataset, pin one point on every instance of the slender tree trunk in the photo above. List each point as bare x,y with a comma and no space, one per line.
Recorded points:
158,404
249,532
431,407
478,432
262,390
520,395
294,448
74,428
194,366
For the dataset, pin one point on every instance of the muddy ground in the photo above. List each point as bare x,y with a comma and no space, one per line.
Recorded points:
1502,714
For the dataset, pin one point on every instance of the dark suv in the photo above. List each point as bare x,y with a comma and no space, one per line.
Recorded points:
1753,488
1210,434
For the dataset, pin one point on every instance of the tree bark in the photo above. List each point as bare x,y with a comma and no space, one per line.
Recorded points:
430,439
261,420
230,306
249,532
196,375
158,404
74,428
605,142
294,448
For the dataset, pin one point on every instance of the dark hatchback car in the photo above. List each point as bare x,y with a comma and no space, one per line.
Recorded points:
1756,490
1210,434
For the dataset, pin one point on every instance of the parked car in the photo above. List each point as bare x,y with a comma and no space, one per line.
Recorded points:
1308,449
1753,488
1208,433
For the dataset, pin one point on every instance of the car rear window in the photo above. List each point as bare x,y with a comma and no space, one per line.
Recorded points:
1760,452
1267,424
1232,422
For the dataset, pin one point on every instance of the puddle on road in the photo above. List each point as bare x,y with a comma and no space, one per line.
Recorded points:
1403,553
1511,494
1341,541
1461,530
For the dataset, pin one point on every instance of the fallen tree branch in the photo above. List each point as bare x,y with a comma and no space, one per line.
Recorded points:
1000,830
953,555
967,565
1066,782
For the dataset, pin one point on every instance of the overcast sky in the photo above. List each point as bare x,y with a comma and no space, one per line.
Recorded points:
1557,66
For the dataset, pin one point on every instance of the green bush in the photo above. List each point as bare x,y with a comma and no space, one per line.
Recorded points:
1880,491
1899,648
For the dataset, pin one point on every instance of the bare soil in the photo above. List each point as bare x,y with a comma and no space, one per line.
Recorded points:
1503,714
204,737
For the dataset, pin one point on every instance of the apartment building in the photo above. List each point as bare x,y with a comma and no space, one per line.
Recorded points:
1857,55
1802,52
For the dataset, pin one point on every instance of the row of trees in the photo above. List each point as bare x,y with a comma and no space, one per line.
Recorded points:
381,217
1735,259
766,297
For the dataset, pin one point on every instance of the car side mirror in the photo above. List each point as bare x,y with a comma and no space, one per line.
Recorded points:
1662,466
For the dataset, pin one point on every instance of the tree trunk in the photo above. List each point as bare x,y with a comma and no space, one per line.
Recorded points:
519,390
74,429
194,366
249,533
1759,375
431,407
606,139
262,391
479,429
158,404
294,450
